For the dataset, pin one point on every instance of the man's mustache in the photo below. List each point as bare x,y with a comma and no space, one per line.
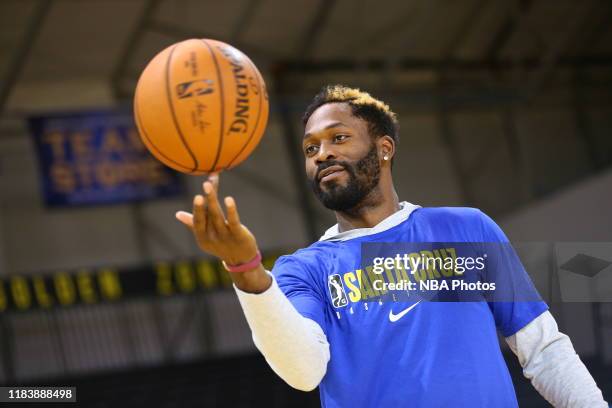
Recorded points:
325,165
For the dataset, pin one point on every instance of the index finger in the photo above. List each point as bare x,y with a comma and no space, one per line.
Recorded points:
214,179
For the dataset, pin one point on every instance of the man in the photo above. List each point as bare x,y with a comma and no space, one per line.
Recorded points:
360,350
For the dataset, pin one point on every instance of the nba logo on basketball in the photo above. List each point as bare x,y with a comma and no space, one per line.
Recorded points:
194,88
336,290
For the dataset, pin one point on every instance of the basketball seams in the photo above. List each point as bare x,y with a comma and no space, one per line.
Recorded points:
173,113
143,132
258,114
222,105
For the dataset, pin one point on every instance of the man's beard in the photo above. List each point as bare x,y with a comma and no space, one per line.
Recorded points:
363,177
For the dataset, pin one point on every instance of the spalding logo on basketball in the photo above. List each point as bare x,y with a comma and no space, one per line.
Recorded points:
200,106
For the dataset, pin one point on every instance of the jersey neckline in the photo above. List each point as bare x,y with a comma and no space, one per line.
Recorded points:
391,221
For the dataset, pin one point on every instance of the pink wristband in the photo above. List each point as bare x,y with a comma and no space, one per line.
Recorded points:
244,267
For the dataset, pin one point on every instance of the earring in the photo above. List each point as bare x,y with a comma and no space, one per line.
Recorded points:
386,158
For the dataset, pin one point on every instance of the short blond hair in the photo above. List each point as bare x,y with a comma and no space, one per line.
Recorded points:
381,119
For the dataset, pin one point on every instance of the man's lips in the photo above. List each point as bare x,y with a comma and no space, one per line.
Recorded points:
329,172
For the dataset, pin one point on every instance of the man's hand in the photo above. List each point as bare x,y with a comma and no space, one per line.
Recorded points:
224,238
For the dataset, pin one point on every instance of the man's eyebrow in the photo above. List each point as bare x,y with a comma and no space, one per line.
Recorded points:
331,125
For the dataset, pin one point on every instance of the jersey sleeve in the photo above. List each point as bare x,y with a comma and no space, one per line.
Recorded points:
299,285
515,301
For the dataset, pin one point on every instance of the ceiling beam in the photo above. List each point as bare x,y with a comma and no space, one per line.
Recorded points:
426,12
575,18
243,21
464,30
420,64
315,28
122,64
514,22
23,49
182,33
595,29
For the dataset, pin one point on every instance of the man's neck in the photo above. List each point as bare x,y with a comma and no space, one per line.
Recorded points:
370,213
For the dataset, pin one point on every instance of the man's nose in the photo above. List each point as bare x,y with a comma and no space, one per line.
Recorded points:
325,153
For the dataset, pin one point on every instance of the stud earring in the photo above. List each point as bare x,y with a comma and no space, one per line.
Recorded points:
386,158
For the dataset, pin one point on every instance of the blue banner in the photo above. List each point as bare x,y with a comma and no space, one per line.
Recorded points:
89,158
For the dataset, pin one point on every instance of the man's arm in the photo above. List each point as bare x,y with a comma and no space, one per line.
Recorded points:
295,347
550,362
546,355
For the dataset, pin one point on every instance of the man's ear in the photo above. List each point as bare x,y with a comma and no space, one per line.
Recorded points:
386,147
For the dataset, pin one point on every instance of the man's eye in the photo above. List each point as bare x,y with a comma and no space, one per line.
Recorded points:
311,149
339,138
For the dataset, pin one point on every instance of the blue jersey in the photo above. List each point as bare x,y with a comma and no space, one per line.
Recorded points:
395,354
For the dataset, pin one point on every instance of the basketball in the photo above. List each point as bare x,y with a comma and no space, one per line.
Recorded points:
200,106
